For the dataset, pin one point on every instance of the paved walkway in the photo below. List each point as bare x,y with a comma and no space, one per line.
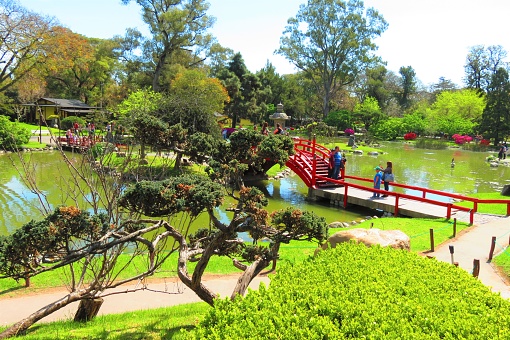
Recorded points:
476,244
163,294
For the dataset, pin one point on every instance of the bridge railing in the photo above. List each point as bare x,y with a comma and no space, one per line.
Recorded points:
448,205
310,153
425,191
311,147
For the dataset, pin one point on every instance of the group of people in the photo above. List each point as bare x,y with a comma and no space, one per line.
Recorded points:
385,176
75,135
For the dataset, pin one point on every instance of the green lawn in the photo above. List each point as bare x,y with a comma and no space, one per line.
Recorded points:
496,209
160,323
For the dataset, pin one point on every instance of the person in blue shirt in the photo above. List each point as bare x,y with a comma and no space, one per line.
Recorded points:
337,157
377,180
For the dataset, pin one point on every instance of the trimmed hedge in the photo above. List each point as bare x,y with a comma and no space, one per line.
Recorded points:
353,291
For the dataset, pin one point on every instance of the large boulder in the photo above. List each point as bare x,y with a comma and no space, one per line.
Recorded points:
386,238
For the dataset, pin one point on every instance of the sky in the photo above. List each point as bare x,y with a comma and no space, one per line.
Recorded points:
433,36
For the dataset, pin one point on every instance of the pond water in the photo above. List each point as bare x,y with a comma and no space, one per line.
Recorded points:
425,168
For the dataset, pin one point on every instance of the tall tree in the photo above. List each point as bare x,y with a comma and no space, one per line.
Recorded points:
495,122
176,26
443,85
331,42
373,84
244,89
21,35
368,112
408,86
481,64
79,67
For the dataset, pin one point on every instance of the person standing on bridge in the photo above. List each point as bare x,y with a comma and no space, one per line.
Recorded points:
377,181
387,177
337,157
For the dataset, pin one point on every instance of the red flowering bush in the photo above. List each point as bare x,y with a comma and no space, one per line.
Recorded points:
462,139
410,136
349,131
485,142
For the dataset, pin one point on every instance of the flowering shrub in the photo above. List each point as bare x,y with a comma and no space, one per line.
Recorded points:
349,131
485,142
410,136
462,139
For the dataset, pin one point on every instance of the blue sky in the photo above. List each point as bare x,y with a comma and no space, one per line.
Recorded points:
432,36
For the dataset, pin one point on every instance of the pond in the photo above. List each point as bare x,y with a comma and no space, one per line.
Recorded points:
425,168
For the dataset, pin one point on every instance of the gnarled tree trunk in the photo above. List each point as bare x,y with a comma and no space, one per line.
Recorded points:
88,309
21,326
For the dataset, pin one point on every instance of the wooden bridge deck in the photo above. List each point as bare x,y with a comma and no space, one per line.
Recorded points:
406,207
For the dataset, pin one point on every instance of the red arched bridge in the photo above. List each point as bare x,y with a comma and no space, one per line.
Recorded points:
311,163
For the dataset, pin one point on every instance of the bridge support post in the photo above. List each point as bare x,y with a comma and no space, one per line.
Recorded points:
311,195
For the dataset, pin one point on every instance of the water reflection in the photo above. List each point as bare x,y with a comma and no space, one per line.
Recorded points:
424,168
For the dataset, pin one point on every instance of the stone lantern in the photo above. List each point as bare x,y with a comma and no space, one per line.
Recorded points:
279,116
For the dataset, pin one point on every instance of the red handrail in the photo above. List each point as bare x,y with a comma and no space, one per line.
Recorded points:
309,153
474,200
397,195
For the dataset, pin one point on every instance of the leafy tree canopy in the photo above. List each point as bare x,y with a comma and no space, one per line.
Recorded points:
331,41
368,112
456,112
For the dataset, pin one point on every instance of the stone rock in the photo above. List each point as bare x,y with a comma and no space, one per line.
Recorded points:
373,153
494,164
506,190
336,225
386,238
352,140
358,152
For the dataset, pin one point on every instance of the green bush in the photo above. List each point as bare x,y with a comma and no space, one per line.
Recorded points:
68,122
354,292
339,119
12,134
321,129
479,147
434,144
